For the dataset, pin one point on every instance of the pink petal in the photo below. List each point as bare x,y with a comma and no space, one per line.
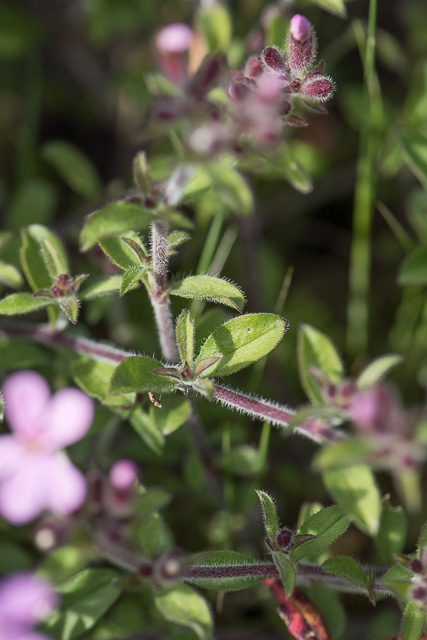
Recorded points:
123,474
65,488
25,394
22,494
25,599
11,453
68,417
175,38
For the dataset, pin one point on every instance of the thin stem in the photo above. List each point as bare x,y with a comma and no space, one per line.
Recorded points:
157,291
359,276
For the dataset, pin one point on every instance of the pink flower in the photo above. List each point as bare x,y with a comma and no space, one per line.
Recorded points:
34,473
123,474
172,43
25,600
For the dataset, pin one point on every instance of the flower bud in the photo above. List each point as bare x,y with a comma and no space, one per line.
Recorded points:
317,87
273,60
172,43
284,539
122,475
301,44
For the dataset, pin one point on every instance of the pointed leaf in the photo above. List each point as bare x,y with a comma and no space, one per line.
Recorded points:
185,335
74,167
286,572
176,239
121,252
375,371
209,288
327,525
300,616
413,270
344,453
52,258
113,220
70,307
215,24
130,278
100,288
348,569
356,491
20,303
182,605
336,7
205,363
32,259
271,521
135,374
316,350
206,388
242,341
141,173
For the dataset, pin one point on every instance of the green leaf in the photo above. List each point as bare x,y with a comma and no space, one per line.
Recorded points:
70,307
62,563
149,534
413,270
245,460
327,525
84,600
176,239
52,258
184,331
15,354
398,580
93,376
113,220
19,303
205,363
141,173
336,7
74,167
120,252
355,490
242,341
348,569
173,414
271,521
344,453
391,535
182,605
135,374
215,24
286,571
314,349
100,288
12,556
147,429
223,558
412,622
209,288
32,258
413,145
10,275
232,188
130,278
375,371
150,502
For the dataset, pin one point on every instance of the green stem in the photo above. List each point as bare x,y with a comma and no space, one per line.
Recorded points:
360,259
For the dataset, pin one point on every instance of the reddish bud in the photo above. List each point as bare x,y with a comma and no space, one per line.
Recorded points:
416,566
237,91
300,28
253,68
317,87
273,59
419,593
63,280
301,53
284,539
145,570
206,77
58,293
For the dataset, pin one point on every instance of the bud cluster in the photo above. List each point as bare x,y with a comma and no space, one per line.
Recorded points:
418,590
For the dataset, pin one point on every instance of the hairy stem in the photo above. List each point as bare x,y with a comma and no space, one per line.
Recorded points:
159,299
306,575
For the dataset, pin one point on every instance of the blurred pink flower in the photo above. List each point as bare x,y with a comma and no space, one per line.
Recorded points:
34,473
171,44
25,600
123,474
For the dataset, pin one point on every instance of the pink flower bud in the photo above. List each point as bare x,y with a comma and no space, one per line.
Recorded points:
175,38
300,28
317,87
273,60
284,539
123,474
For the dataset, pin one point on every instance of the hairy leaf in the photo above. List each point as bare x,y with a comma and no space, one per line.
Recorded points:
115,219
209,288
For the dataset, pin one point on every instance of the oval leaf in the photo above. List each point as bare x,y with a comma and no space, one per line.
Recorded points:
242,341
327,525
356,491
348,569
113,220
184,332
209,288
377,369
392,532
271,521
135,374
182,605
101,288
122,253
32,256
74,167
